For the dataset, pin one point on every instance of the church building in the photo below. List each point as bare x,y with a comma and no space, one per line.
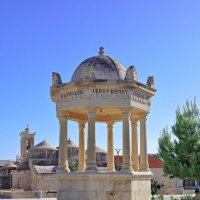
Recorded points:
38,164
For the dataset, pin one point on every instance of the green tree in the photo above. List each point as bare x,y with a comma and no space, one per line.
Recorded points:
179,148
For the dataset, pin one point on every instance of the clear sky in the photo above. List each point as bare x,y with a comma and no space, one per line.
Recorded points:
161,38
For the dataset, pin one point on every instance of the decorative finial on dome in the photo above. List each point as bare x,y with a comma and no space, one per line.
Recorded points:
101,51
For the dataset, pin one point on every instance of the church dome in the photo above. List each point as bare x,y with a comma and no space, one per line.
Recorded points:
99,67
70,143
44,145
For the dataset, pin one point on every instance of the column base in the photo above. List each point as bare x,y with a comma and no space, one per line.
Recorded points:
135,167
126,167
63,168
62,171
144,168
111,168
81,168
91,166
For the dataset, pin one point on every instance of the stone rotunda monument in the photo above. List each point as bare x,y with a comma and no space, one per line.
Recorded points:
103,90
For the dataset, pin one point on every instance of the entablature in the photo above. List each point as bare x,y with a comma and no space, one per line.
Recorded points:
82,85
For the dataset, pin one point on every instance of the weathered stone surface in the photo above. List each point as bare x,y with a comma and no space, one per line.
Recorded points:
99,67
131,74
120,186
109,185
104,186
56,79
21,179
171,185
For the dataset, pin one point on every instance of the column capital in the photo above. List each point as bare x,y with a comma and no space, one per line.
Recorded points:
81,122
110,124
91,109
63,118
126,110
134,117
134,120
143,117
134,123
62,113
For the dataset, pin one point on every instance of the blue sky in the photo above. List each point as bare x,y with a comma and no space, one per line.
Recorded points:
161,38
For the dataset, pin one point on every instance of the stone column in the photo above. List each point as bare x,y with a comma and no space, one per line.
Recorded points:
135,160
144,166
110,147
91,145
63,151
81,164
126,165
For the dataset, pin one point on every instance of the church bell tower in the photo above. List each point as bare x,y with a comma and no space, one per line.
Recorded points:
27,142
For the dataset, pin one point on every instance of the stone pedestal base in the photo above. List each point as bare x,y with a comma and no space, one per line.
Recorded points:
104,186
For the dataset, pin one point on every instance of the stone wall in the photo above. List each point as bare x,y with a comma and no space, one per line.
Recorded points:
4,182
171,185
30,180
44,182
19,194
21,179
104,186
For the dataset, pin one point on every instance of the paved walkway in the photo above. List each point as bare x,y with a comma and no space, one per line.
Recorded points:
166,197
32,198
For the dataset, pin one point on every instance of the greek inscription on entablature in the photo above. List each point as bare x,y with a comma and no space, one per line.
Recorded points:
107,93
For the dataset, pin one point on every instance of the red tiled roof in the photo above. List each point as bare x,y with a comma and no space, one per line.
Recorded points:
154,162
116,159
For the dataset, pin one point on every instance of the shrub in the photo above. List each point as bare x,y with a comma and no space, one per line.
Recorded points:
155,186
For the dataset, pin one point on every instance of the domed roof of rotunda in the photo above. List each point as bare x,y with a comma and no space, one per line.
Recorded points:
100,67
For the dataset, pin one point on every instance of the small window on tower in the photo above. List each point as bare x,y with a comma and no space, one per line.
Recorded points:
28,145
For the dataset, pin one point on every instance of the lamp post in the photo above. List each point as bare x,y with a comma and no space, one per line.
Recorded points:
118,150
